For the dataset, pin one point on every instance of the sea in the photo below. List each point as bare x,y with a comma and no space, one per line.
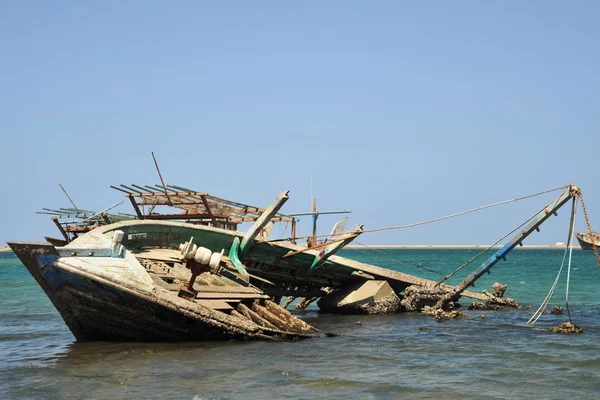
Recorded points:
485,355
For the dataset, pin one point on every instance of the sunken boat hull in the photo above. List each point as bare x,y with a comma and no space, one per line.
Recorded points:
101,307
281,269
278,268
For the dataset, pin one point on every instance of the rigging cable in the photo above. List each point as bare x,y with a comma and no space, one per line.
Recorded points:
435,219
544,304
401,261
485,250
570,246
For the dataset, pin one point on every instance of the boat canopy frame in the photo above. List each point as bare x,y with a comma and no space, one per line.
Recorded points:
196,207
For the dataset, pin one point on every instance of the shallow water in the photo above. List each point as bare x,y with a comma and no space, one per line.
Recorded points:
410,356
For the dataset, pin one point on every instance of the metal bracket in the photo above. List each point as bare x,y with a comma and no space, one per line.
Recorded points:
102,252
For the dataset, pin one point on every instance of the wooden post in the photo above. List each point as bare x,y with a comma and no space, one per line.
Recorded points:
208,210
61,229
262,221
135,206
313,239
106,218
161,179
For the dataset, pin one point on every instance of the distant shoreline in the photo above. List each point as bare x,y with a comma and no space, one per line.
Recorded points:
453,246
425,246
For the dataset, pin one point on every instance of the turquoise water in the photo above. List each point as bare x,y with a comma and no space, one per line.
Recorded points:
383,357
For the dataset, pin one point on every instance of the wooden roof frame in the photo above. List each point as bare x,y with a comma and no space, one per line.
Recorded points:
199,207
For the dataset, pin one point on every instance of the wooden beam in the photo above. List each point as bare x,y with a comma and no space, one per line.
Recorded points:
106,218
185,216
135,206
151,202
208,210
262,221
161,178
334,247
171,194
60,228
319,246
252,219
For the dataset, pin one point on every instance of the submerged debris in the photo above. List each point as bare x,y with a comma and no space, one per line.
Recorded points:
370,297
478,305
493,304
567,328
502,302
427,300
498,289
417,298
496,299
305,302
440,314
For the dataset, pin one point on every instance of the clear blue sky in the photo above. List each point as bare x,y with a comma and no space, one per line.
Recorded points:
404,111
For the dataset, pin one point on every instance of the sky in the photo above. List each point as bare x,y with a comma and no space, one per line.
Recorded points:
400,111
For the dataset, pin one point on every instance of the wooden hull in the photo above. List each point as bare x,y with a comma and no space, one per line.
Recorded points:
585,240
288,276
100,309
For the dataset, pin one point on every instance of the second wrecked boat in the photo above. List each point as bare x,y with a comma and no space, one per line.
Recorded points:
588,240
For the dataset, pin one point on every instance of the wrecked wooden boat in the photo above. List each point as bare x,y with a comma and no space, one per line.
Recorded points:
281,267
250,259
587,240
341,285
115,285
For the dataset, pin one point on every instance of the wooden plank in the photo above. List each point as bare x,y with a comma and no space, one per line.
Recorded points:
233,296
174,194
315,247
135,206
185,216
169,255
224,289
252,219
208,210
214,304
254,317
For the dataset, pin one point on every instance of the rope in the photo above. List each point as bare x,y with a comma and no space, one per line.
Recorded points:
540,311
485,250
401,261
571,233
439,218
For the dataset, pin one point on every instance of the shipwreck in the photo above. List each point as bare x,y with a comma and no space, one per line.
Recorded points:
189,274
